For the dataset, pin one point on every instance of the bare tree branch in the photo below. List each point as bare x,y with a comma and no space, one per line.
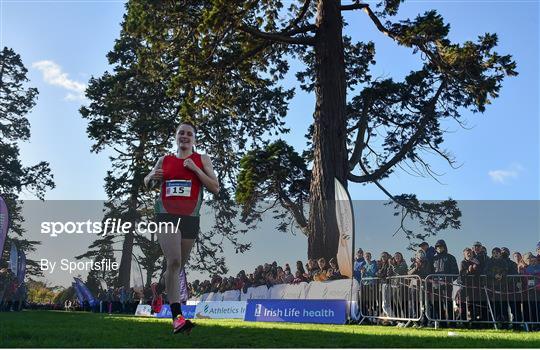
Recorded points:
357,6
300,16
295,209
279,37
398,157
421,46
359,143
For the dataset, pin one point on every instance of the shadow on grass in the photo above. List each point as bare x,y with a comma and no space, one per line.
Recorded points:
53,329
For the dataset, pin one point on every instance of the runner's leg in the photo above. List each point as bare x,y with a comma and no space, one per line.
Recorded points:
170,242
187,244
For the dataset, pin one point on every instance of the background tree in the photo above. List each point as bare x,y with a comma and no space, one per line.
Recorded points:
132,114
16,100
65,294
122,115
231,57
102,248
41,292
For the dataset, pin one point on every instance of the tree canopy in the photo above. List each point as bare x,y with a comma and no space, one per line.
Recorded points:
225,63
16,101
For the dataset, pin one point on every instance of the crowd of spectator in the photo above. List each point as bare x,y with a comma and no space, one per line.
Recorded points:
427,260
12,295
269,274
497,274
437,260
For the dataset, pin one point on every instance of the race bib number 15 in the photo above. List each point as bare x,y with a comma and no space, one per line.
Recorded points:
178,188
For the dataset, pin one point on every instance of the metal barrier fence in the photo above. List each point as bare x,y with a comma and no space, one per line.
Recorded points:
483,299
512,299
397,298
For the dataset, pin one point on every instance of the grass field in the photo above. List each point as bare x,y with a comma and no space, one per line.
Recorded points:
49,329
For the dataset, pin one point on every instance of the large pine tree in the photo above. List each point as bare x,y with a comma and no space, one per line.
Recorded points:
132,114
16,101
230,58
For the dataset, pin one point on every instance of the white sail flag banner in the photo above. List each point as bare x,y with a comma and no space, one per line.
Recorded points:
136,275
4,224
345,221
13,258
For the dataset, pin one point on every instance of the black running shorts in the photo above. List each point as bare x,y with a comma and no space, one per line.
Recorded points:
189,225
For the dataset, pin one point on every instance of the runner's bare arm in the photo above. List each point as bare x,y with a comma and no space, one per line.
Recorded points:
156,173
207,175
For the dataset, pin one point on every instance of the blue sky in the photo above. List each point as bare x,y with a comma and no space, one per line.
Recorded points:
69,40
63,43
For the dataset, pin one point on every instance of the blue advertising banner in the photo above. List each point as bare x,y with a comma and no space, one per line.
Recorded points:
78,292
187,310
85,292
21,267
297,310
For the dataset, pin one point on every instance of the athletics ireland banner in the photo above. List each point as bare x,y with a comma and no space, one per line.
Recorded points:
220,309
4,224
345,221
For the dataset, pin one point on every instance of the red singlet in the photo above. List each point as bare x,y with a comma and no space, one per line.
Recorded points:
181,189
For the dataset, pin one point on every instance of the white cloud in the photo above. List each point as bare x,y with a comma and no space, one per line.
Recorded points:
53,74
74,97
502,175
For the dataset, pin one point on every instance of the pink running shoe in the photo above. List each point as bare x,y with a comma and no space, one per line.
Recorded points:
181,325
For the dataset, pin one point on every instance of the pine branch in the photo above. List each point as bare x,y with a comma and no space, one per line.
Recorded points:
357,6
407,147
278,37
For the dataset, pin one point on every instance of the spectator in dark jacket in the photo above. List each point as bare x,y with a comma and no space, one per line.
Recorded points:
385,269
300,268
333,271
422,268
288,277
496,270
512,285
480,255
512,266
398,266
470,266
430,251
312,269
443,264
469,293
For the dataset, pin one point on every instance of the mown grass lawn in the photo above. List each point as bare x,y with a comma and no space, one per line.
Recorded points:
49,329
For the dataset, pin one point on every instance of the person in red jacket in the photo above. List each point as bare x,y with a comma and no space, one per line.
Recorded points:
182,177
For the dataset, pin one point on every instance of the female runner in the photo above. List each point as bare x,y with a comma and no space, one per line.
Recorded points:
182,177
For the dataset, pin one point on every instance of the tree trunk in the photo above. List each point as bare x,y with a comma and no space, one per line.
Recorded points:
133,216
124,270
329,136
